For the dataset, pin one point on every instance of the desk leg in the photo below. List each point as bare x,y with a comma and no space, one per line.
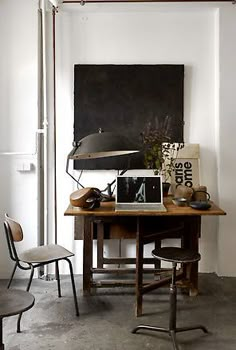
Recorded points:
100,244
1,331
192,227
87,255
139,270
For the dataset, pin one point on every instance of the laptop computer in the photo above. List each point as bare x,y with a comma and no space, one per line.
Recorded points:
141,193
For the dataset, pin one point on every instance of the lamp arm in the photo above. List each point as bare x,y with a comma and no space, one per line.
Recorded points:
67,171
108,188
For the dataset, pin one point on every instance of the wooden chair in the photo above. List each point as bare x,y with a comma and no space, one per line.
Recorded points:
36,257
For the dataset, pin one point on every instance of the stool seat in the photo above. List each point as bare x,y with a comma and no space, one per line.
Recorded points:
13,302
176,255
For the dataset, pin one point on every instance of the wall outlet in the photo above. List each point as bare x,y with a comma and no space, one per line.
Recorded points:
24,166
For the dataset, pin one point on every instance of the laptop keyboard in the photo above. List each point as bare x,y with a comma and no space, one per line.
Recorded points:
135,207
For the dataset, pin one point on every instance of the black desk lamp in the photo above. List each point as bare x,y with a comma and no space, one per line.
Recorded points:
100,145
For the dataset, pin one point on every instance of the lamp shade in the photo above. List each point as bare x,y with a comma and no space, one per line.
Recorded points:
102,144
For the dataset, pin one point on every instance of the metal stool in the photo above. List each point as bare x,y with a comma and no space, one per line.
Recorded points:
13,302
173,255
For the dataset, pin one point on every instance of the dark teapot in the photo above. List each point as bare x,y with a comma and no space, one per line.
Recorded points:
202,202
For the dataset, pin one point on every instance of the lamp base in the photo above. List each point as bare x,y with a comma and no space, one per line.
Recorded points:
107,198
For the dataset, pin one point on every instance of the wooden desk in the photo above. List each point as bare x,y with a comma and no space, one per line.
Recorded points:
143,225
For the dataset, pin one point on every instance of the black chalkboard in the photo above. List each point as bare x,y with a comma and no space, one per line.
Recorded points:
124,98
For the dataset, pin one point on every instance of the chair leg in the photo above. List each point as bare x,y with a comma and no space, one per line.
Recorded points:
27,289
31,277
73,286
58,279
12,275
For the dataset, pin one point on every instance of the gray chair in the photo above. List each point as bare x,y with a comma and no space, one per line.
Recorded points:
175,256
36,257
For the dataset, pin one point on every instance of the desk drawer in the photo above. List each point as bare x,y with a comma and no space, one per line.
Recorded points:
125,227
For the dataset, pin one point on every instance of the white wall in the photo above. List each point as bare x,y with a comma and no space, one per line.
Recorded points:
18,115
190,34
227,127
157,35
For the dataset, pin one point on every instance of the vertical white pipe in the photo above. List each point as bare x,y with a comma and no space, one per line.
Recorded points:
54,11
54,3
45,120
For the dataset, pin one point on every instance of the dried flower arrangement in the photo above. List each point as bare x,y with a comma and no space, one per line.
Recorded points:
160,153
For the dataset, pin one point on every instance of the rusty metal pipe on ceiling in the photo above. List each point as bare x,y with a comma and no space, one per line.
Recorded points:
83,2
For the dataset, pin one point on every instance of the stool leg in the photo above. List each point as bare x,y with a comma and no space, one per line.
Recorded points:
173,307
1,331
191,328
172,320
172,330
157,262
150,328
174,341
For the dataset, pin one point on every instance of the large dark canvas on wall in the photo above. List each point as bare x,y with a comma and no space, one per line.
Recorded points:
124,98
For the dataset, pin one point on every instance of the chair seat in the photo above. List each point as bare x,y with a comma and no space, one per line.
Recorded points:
176,255
45,254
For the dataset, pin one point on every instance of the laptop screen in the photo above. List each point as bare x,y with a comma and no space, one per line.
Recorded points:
139,189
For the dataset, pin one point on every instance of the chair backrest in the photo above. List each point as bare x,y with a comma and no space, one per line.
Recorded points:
14,233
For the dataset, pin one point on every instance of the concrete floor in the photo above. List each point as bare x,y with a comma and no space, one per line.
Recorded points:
107,318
